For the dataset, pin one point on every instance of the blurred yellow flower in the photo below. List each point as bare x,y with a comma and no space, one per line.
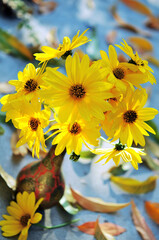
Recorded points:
63,49
72,135
82,93
22,215
129,119
120,152
141,65
31,120
30,82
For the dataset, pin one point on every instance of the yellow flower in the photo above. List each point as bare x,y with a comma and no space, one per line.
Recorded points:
72,135
30,82
31,120
82,93
120,151
129,119
22,215
142,65
121,75
63,49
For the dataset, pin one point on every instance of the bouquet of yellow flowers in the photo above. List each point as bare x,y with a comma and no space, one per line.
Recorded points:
103,94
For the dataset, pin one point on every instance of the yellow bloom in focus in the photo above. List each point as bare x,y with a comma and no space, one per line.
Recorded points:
121,75
80,94
30,82
121,152
63,49
22,215
71,136
129,119
141,65
31,120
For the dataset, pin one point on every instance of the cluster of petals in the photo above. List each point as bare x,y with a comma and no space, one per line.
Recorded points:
105,94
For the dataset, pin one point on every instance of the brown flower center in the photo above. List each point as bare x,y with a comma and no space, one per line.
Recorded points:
130,116
34,123
75,129
24,219
77,91
119,73
31,85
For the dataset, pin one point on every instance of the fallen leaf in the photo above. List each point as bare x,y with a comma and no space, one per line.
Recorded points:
141,44
68,202
111,37
45,7
122,58
134,186
110,228
152,209
11,45
97,204
153,60
100,234
152,146
22,150
1,130
52,38
140,224
10,181
152,163
120,170
126,25
6,87
138,6
153,23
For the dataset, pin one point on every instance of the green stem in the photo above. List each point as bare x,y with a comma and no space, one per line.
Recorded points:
60,225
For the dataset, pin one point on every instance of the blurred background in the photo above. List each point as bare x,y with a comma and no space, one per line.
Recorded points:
25,26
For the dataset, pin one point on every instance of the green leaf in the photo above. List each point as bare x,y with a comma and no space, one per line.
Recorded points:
59,225
87,154
11,45
134,186
120,170
1,130
67,202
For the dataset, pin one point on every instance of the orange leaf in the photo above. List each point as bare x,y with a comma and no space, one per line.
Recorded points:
45,7
110,228
137,6
140,224
152,210
126,25
97,204
142,44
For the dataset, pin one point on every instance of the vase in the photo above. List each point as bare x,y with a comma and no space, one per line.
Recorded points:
44,178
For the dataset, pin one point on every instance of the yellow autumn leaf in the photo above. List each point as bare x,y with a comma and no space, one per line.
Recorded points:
97,204
141,44
134,186
100,234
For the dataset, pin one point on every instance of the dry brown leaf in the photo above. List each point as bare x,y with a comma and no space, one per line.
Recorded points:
45,7
52,38
138,6
101,234
140,224
110,228
111,37
97,204
6,87
22,150
122,58
10,181
152,210
141,44
126,25
153,23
